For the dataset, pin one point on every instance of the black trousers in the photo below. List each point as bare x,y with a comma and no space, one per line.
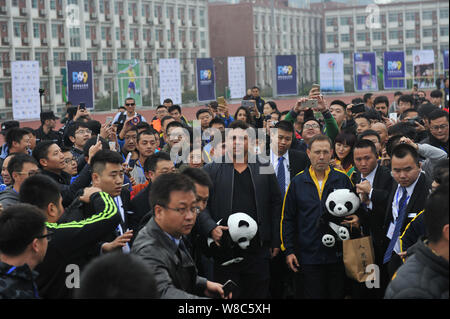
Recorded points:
322,281
252,275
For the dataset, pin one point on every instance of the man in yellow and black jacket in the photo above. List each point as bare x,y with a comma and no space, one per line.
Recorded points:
68,251
321,268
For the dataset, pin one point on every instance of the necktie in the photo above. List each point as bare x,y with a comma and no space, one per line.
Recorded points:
363,204
281,176
398,225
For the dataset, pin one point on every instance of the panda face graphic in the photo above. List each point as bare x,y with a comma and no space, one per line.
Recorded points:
342,202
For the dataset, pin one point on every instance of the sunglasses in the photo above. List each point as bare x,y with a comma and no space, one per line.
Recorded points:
130,104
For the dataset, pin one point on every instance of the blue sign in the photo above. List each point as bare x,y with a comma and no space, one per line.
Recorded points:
394,70
286,66
206,87
365,71
80,83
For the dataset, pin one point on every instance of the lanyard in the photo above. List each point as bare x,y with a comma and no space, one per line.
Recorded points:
142,168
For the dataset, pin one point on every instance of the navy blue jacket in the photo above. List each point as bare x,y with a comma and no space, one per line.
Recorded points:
302,211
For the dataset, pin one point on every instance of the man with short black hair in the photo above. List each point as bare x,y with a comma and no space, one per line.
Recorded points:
160,243
146,145
405,102
77,134
381,104
23,245
363,123
436,98
161,111
394,105
175,112
20,167
368,100
439,130
204,116
46,131
338,110
374,137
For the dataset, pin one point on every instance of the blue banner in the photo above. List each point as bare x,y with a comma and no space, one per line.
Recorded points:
80,83
446,61
206,88
365,71
394,70
286,68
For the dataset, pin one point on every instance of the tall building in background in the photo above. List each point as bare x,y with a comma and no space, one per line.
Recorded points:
53,31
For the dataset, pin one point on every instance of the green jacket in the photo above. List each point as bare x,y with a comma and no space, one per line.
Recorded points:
331,127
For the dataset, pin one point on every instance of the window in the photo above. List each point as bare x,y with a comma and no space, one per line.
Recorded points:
360,20
74,34
202,17
53,4
16,29
360,36
329,22
344,20
75,55
55,58
168,36
376,35
58,87
443,31
2,94
117,34
54,31
36,33
410,16
427,32
443,13
427,15
330,38
410,34
393,17
37,56
345,37
393,34
116,7
34,4
86,5
88,32
103,30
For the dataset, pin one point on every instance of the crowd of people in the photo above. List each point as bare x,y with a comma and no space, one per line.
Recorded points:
151,209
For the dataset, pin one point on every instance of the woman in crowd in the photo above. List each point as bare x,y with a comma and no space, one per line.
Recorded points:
343,153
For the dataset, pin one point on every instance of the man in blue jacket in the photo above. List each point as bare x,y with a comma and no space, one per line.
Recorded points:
321,268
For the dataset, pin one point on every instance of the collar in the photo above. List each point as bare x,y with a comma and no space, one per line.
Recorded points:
410,188
274,157
175,240
371,175
312,173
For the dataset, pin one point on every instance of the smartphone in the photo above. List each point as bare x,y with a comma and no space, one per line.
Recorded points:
315,87
358,108
109,120
309,104
393,116
127,160
221,100
247,104
229,286
82,106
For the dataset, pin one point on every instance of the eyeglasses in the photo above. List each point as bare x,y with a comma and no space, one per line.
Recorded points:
438,127
48,236
130,104
82,132
183,211
69,160
30,173
311,126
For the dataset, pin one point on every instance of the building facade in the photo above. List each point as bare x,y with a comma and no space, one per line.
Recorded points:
54,31
404,26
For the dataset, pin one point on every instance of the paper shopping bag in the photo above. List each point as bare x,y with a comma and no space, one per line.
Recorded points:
358,254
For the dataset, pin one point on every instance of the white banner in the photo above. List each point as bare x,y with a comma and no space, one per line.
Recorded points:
331,72
236,77
170,80
423,68
25,90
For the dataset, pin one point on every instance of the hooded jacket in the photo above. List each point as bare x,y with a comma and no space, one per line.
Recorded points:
9,197
17,282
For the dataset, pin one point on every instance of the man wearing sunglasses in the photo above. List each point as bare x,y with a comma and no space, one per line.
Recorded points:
123,118
23,245
20,167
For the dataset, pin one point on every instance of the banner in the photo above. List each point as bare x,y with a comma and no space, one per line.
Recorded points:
394,70
446,61
80,83
64,84
129,81
25,90
332,72
423,66
206,88
286,68
236,77
170,80
365,71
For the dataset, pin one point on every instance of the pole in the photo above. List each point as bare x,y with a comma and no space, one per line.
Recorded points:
274,71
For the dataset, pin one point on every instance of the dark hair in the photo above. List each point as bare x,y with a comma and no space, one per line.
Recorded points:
437,114
71,129
175,107
381,99
117,276
440,170
29,130
129,98
238,124
350,140
165,118
404,129
15,134
340,103
161,106
365,144
173,124
19,225
152,161
285,126
198,176
391,143
273,105
39,190
364,116
426,109
436,212
94,126
436,93
406,112
165,184
319,138
217,120
141,125
168,101
147,132
372,114
249,118
41,150
91,142
407,98
357,100
369,133
397,93
402,150
367,96
200,112
17,161
102,157
255,87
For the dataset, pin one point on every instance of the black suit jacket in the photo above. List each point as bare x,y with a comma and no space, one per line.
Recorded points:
298,161
373,219
140,205
415,205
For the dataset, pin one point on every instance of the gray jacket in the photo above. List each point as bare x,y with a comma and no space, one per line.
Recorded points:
432,155
175,278
424,275
9,197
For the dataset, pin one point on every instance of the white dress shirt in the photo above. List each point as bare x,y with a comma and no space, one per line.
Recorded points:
370,178
274,160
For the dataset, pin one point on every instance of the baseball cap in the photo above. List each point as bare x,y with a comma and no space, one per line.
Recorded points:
48,116
8,125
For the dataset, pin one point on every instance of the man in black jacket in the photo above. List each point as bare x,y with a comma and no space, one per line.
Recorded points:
439,128
72,242
257,98
241,185
45,132
425,274
407,199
